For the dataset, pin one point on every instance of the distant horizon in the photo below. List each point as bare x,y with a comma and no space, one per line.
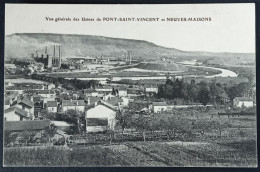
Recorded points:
130,39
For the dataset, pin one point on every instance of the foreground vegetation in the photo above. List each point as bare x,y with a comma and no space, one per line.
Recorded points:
221,153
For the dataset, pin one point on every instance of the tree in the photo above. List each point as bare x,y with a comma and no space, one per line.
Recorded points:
124,118
142,125
193,91
204,96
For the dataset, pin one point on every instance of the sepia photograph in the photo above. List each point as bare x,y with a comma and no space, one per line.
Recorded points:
137,85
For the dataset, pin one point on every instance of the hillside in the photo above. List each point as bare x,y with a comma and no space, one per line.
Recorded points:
20,45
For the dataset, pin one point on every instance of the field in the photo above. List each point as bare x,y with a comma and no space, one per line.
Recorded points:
177,153
235,146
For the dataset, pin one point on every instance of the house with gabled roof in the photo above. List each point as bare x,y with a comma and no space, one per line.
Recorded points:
90,92
116,102
52,106
122,91
158,106
243,102
78,105
27,105
16,114
100,117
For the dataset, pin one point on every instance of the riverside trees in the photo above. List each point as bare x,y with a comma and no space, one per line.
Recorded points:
202,92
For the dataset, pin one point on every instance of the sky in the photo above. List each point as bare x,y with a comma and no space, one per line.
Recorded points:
231,29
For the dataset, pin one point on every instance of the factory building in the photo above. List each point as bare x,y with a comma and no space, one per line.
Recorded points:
55,60
50,61
128,57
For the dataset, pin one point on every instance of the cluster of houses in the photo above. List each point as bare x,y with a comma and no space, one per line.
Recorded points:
25,102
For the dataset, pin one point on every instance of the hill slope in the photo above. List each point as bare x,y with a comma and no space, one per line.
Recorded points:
20,45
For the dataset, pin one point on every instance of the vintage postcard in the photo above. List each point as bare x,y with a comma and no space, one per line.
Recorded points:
170,85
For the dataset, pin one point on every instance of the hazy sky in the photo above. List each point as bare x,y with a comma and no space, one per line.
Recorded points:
231,29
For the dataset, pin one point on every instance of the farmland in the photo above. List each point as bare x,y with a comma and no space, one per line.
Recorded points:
221,153
233,145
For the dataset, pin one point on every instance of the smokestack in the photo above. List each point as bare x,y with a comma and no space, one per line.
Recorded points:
59,51
59,65
46,51
54,51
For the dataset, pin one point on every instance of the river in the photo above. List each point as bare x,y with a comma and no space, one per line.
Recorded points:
224,72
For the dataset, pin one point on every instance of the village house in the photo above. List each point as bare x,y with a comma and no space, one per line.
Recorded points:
151,89
104,88
38,104
78,105
39,126
12,97
16,114
158,107
100,117
52,106
47,93
50,86
91,100
90,92
122,91
115,102
27,105
43,93
243,102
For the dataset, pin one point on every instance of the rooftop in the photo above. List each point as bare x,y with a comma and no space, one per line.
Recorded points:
17,111
26,125
244,99
27,102
89,91
73,103
159,104
52,104
114,100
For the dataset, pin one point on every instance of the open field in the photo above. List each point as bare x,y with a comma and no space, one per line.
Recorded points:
236,147
177,153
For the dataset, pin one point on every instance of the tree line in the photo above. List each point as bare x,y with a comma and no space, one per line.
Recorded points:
202,92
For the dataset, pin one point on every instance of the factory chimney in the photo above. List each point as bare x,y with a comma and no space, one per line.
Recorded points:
59,63
36,53
54,51
46,52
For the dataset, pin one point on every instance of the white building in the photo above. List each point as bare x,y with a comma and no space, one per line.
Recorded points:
52,106
50,86
243,102
15,114
122,92
78,105
104,89
158,107
90,92
100,118
26,105
151,89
